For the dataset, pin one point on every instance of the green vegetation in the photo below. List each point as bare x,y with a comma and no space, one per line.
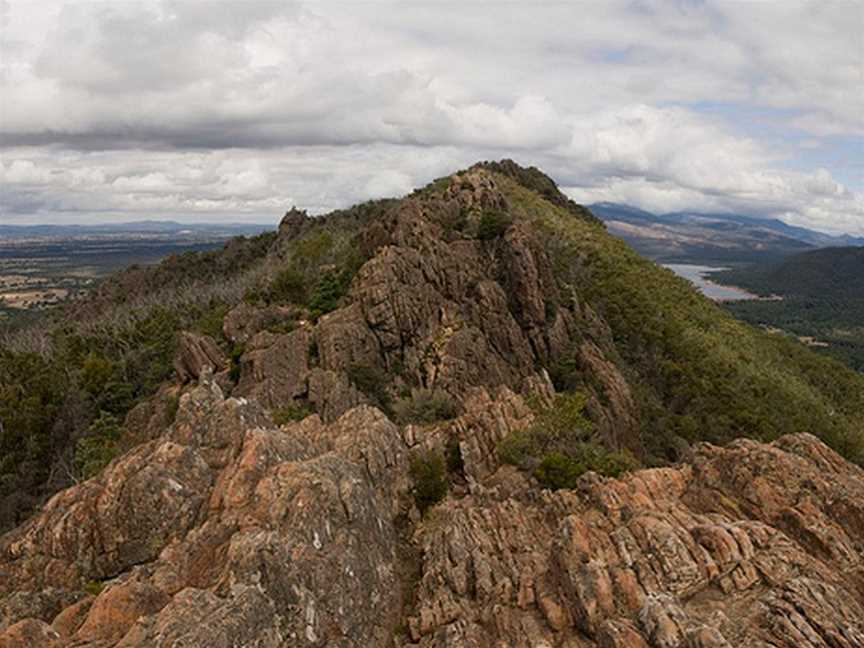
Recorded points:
558,470
492,225
823,299
67,383
429,476
372,381
320,268
557,449
425,406
290,414
698,374
99,445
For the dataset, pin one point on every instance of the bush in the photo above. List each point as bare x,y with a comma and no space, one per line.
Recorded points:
429,475
556,448
372,382
98,447
426,406
234,357
116,397
288,286
492,225
290,413
95,372
331,287
557,470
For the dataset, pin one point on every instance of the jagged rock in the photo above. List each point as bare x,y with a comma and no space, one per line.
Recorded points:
30,633
149,418
223,529
274,370
332,394
292,223
243,321
702,555
43,605
275,534
194,354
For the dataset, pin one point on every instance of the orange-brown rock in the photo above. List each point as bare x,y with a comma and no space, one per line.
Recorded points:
703,555
195,353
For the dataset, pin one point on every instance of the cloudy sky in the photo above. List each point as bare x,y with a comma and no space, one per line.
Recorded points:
239,109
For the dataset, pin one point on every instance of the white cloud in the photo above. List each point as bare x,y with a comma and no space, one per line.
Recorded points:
229,109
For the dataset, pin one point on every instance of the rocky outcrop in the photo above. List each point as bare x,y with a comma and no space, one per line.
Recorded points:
243,321
195,353
227,530
752,545
221,528
282,535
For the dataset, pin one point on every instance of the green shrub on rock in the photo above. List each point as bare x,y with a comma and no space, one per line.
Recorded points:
100,445
429,476
557,449
426,406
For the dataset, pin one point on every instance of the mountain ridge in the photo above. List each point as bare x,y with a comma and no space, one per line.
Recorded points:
466,417
707,236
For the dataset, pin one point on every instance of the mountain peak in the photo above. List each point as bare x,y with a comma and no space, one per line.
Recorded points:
430,421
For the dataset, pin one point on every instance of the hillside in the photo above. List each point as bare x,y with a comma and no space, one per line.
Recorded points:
466,417
823,299
711,238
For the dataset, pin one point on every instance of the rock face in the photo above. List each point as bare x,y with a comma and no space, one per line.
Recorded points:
285,536
221,528
230,531
195,354
752,545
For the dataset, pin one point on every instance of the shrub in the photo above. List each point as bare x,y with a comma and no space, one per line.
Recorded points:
100,445
116,397
95,372
290,413
172,404
210,320
557,470
556,450
288,286
372,381
492,225
234,356
331,287
426,406
455,462
429,476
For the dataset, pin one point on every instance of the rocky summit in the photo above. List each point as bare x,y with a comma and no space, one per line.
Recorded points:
468,417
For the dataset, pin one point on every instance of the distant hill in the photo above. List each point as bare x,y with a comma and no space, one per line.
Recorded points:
723,238
823,298
219,230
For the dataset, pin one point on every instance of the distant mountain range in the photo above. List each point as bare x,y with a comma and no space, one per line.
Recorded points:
147,227
697,237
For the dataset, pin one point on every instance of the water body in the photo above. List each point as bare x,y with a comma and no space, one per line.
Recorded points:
697,275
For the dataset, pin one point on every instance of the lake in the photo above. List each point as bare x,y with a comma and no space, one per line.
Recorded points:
696,274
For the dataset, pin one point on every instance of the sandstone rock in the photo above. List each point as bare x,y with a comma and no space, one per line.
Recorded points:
245,320
275,368
659,558
30,633
286,535
117,608
43,605
194,353
70,619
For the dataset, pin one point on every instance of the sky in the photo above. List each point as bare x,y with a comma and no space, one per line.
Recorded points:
237,110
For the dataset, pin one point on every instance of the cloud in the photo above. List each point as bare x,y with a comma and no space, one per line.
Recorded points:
232,109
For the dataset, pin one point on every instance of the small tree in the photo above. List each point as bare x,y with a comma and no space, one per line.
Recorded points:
429,474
